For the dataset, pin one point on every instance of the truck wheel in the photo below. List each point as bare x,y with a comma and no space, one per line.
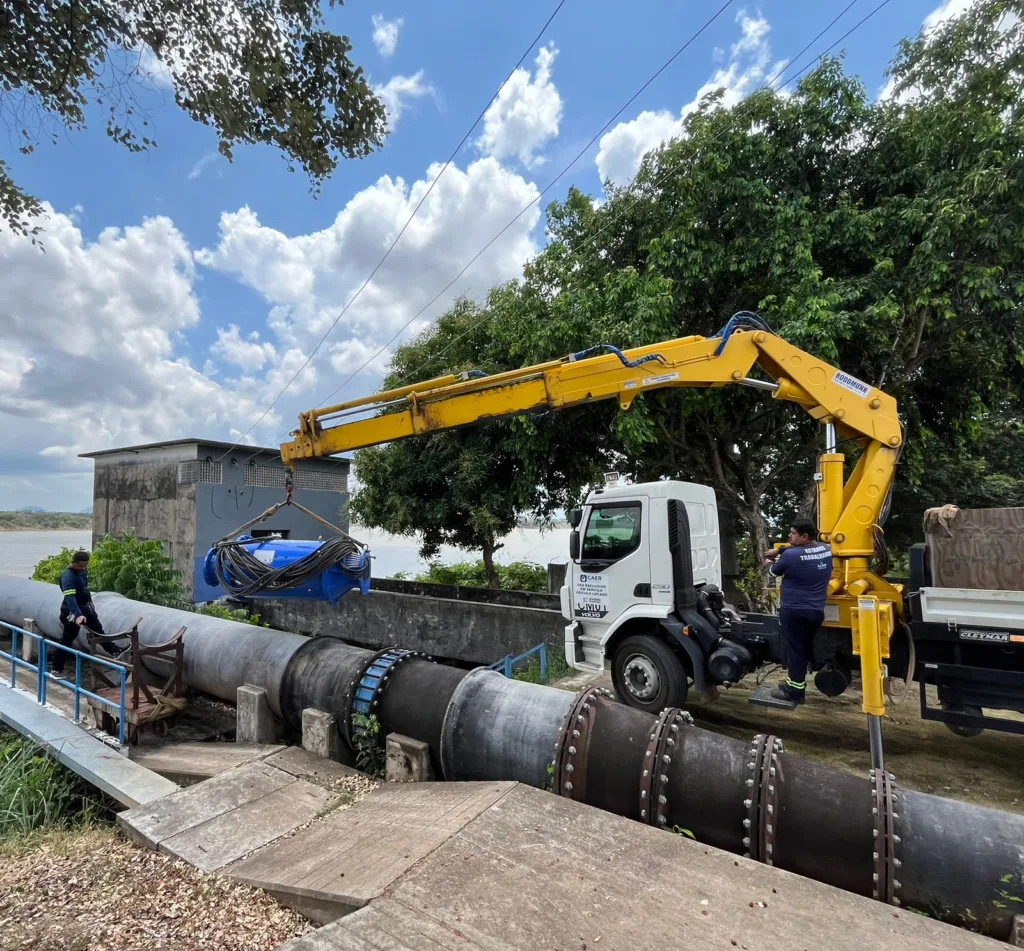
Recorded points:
647,674
960,729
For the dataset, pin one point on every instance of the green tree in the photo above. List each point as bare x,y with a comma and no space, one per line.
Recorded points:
255,71
468,488
886,237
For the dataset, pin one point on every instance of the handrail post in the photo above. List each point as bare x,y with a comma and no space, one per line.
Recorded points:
14,656
508,666
78,687
120,721
543,662
41,674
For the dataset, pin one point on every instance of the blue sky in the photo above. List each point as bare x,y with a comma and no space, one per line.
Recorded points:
179,292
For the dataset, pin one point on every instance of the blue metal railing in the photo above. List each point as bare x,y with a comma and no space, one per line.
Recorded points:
43,676
508,662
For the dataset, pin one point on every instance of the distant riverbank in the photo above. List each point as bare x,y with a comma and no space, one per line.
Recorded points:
44,522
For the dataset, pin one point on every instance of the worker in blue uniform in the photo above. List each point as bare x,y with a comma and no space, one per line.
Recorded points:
805,568
76,609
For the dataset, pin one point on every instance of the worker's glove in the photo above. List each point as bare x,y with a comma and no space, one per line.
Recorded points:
80,620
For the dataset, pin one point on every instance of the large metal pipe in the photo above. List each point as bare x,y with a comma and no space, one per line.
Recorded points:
220,655
958,862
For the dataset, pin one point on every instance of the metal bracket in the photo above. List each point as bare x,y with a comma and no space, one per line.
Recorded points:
657,759
884,803
762,802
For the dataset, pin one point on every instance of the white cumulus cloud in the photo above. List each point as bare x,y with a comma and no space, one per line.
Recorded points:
248,353
622,148
307,279
525,115
398,91
385,34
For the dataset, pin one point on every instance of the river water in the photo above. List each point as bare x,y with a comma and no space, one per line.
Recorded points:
20,551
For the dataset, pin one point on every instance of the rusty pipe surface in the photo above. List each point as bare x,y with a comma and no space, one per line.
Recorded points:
960,863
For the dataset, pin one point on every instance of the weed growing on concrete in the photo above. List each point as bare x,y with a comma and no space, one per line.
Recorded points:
370,755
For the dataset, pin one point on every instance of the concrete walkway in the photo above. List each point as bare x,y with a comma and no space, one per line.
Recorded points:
535,871
93,760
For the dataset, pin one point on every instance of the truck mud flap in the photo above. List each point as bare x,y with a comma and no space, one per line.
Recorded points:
675,631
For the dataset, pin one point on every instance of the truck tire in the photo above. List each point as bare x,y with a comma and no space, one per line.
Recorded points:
965,731
648,675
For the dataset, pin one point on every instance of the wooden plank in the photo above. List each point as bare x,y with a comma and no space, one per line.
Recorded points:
537,871
195,805
230,836
193,762
354,855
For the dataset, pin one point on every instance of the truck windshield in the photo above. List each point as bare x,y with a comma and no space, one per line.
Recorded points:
613,531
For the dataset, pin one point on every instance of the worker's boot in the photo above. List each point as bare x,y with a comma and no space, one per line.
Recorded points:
789,692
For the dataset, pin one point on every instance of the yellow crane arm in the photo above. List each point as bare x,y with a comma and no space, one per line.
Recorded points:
849,509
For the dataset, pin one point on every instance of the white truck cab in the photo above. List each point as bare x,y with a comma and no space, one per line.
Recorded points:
643,587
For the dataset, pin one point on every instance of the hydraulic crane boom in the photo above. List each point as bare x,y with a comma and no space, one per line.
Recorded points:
850,510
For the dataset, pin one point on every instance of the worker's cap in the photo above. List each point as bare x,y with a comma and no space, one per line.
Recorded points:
80,558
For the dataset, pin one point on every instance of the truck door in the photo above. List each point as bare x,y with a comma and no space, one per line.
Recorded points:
613,571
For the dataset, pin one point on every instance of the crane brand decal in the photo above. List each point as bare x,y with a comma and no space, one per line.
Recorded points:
993,637
264,555
591,595
664,378
851,383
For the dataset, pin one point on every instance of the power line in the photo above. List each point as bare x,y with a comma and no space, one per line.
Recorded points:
663,178
533,201
398,237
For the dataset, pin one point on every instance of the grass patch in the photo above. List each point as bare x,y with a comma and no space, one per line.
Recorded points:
530,671
37,793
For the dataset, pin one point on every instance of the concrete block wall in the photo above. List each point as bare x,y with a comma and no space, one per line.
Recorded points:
474,632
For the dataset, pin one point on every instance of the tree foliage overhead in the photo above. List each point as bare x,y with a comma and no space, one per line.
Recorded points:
886,237
257,71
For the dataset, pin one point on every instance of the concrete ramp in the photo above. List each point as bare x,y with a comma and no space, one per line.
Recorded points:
535,871
218,821
339,864
128,782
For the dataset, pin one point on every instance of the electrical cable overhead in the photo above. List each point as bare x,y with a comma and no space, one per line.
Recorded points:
534,201
398,237
664,177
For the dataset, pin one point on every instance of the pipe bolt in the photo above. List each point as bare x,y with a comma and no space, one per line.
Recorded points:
771,809
666,758
661,820
576,733
569,768
663,778
896,901
643,813
895,884
643,793
750,783
874,878
572,749
769,848
746,842
897,863
746,823
670,741
662,800
646,771
568,787
896,839
747,803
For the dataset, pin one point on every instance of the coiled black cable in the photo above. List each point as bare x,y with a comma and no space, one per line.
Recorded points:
242,574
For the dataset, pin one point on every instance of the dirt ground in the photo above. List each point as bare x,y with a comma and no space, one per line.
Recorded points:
90,890
921,754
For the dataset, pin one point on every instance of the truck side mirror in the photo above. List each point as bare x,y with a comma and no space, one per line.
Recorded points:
574,546
575,517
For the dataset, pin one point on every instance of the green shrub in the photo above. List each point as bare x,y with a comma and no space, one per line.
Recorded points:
49,569
516,576
231,614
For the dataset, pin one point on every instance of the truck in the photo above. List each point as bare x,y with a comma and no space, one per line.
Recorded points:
644,587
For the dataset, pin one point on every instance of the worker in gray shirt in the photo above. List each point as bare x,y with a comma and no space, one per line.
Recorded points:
805,569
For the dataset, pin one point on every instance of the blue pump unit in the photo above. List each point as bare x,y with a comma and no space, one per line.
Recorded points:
329,582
